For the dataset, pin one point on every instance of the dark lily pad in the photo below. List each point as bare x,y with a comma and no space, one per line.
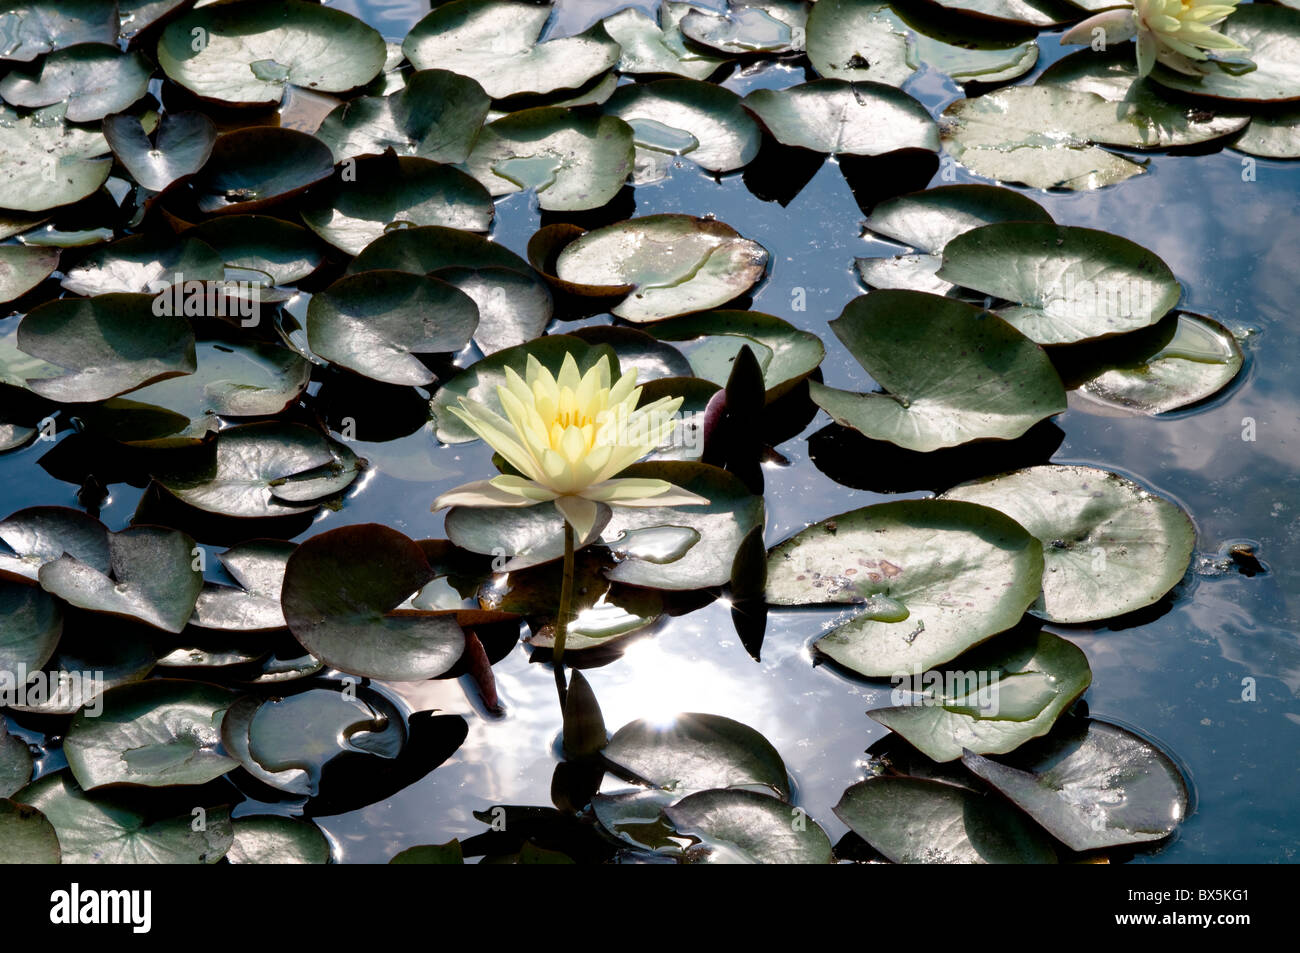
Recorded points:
932,579
842,118
154,733
572,161
143,263
151,578
437,115
49,163
255,167
92,79
1271,35
636,818
270,839
1110,546
654,48
180,146
677,263
106,830
251,52
22,268
263,469
749,27
41,534
496,42
995,382
424,250
116,652
385,192
449,853
913,821
235,738
33,623
698,752
33,28
258,567
514,307
651,358
282,250
746,827
1092,785
991,700
15,760
26,836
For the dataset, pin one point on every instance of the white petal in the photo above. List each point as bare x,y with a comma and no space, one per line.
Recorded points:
479,493
580,514
1117,26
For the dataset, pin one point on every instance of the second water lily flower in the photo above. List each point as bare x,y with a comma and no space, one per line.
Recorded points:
1175,33
569,436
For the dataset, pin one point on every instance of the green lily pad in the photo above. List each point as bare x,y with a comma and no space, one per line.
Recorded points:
951,373
1036,13
235,738
572,161
1068,284
932,579
749,27
143,263
842,118
393,191
653,48
678,264
151,578
33,624
651,358
30,29
180,146
514,307
1092,785
427,249
697,752
251,52
375,322
154,733
271,468
116,652
636,818
22,268
105,829
341,593
269,839
41,534
49,163
15,760
258,567
138,15
92,79
284,251
1110,546
437,115
257,166
993,699
748,828
496,42
26,836
914,821
1271,35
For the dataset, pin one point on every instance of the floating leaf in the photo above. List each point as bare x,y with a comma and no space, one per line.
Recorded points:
47,162
269,839
284,251
749,828
573,162
1038,13
913,821
15,758
33,623
1271,35
23,268
181,145
385,192
87,664
932,578
143,263
437,115
251,52
1109,545
698,752
677,263
92,79
423,250
514,307
842,118
654,48
1092,784
496,42
41,534
993,699
258,567
154,733
448,853
375,322
952,373
43,26
749,26
1069,284
26,836
1272,136
258,166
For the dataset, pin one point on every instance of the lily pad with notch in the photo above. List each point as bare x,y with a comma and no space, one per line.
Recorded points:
181,145
837,117
143,263
749,27
255,167
259,243
257,567
651,47
93,80
746,827
37,27
48,162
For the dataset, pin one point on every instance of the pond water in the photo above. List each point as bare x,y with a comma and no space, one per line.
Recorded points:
1178,674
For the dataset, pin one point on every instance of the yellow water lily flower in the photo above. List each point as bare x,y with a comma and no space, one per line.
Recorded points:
1173,32
570,435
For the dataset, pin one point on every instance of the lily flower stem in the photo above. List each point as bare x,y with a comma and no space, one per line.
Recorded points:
562,616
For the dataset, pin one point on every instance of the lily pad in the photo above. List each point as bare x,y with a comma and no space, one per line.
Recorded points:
271,468
30,29
180,146
235,739
92,79
41,534
375,322
698,752
282,250
151,578
49,163
393,191
448,853
572,161
22,268
437,115
1068,284
32,626
496,42
154,733
15,760
1092,785
104,829
1271,35
677,264
90,660
993,699
842,118
270,839
26,836
932,578
514,307
1274,136
1110,546
257,166
251,52
914,821
749,27
951,373
748,828
143,263
653,48
424,250
1036,13
258,567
